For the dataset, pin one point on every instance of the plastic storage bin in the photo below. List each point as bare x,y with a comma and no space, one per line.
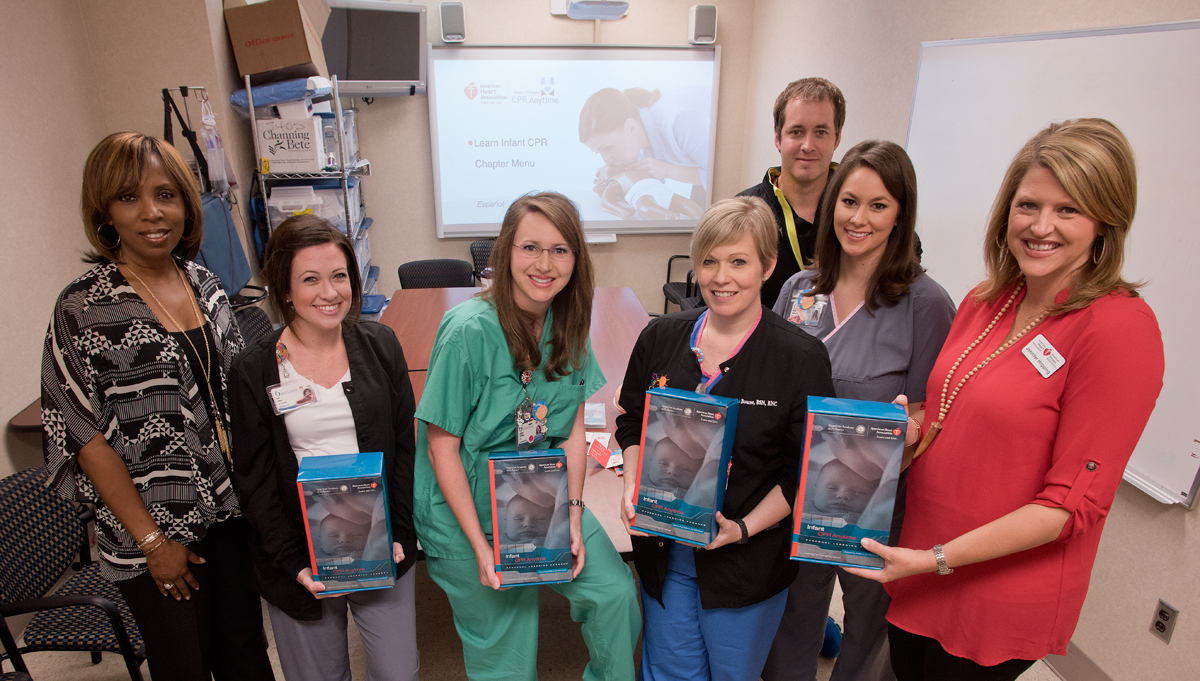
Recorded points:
323,197
373,307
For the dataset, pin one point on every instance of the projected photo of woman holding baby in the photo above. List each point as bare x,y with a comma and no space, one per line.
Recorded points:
655,148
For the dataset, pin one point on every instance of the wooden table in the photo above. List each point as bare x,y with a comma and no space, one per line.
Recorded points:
617,319
29,419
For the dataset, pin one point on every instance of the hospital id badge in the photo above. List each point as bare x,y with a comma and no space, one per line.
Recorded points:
292,396
531,423
807,308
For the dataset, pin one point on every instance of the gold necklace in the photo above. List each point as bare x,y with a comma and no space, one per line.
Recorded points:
945,403
222,438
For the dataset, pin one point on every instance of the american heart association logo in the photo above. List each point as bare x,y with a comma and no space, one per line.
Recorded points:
471,91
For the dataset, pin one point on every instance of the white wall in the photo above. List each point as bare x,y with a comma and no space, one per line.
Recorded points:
870,49
48,102
73,71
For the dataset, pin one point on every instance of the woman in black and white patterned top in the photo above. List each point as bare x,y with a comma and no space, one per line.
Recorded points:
135,416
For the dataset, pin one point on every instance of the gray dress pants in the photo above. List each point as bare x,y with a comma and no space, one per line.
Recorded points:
386,619
864,656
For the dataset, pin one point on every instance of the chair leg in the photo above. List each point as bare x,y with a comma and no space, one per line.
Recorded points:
97,656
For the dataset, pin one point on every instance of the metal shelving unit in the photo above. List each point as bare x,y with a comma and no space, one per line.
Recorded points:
346,169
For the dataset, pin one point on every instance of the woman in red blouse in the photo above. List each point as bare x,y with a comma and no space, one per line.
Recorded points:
1049,374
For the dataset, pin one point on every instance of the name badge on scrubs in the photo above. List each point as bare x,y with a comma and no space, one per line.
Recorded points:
294,391
1044,357
807,308
531,416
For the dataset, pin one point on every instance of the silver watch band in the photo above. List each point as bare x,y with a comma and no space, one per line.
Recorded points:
940,556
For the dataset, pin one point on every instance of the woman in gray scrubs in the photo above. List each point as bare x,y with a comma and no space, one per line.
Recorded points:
883,321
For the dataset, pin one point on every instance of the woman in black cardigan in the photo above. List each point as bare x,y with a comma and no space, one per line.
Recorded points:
364,404
712,613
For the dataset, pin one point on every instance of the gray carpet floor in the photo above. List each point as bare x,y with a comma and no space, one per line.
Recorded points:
561,651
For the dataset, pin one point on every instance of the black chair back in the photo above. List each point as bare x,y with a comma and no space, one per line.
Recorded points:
254,323
40,535
440,273
481,252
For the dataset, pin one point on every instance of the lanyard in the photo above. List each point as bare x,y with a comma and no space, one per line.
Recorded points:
709,382
789,220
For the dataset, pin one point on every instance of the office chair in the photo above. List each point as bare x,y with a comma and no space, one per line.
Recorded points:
481,253
438,273
40,536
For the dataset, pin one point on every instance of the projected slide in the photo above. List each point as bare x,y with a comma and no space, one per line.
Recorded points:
629,140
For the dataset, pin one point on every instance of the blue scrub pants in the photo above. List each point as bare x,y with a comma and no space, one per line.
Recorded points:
682,641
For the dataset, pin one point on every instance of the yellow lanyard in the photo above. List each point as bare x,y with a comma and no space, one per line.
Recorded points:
789,220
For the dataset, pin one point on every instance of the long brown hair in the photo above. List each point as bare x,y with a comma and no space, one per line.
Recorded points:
572,306
1093,161
115,168
899,265
291,236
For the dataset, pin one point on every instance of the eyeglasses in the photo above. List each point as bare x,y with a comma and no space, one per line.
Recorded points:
532,251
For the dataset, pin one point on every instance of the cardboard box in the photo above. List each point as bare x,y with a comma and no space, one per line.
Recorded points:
853,452
277,39
687,442
345,503
296,146
531,522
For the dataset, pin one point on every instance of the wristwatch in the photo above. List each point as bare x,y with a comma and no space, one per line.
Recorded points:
940,556
745,533
576,502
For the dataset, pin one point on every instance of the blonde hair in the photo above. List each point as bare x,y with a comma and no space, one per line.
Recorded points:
728,221
1093,161
115,168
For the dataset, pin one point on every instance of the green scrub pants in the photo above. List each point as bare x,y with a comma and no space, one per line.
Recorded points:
499,629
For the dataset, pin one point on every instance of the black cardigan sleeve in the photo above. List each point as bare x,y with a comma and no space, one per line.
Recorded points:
400,477
633,391
255,478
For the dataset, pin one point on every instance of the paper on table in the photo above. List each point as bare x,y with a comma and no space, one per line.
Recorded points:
598,450
593,415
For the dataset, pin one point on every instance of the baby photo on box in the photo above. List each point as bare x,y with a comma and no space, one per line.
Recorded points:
344,501
686,444
531,528
849,476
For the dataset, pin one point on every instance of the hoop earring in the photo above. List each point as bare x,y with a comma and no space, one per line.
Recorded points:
114,246
1004,252
1103,247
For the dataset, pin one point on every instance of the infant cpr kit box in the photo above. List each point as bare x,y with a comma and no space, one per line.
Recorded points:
291,145
345,504
687,441
853,451
531,521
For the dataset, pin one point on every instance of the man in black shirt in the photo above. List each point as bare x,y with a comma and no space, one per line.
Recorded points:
809,115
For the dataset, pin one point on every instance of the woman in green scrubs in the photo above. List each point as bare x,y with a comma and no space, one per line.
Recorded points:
524,341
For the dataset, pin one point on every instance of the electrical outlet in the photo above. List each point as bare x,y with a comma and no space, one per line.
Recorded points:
1164,621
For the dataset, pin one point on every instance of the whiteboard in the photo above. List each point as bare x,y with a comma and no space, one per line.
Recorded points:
978,101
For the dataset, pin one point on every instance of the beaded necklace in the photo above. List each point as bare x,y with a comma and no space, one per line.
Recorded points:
205,368
946,402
